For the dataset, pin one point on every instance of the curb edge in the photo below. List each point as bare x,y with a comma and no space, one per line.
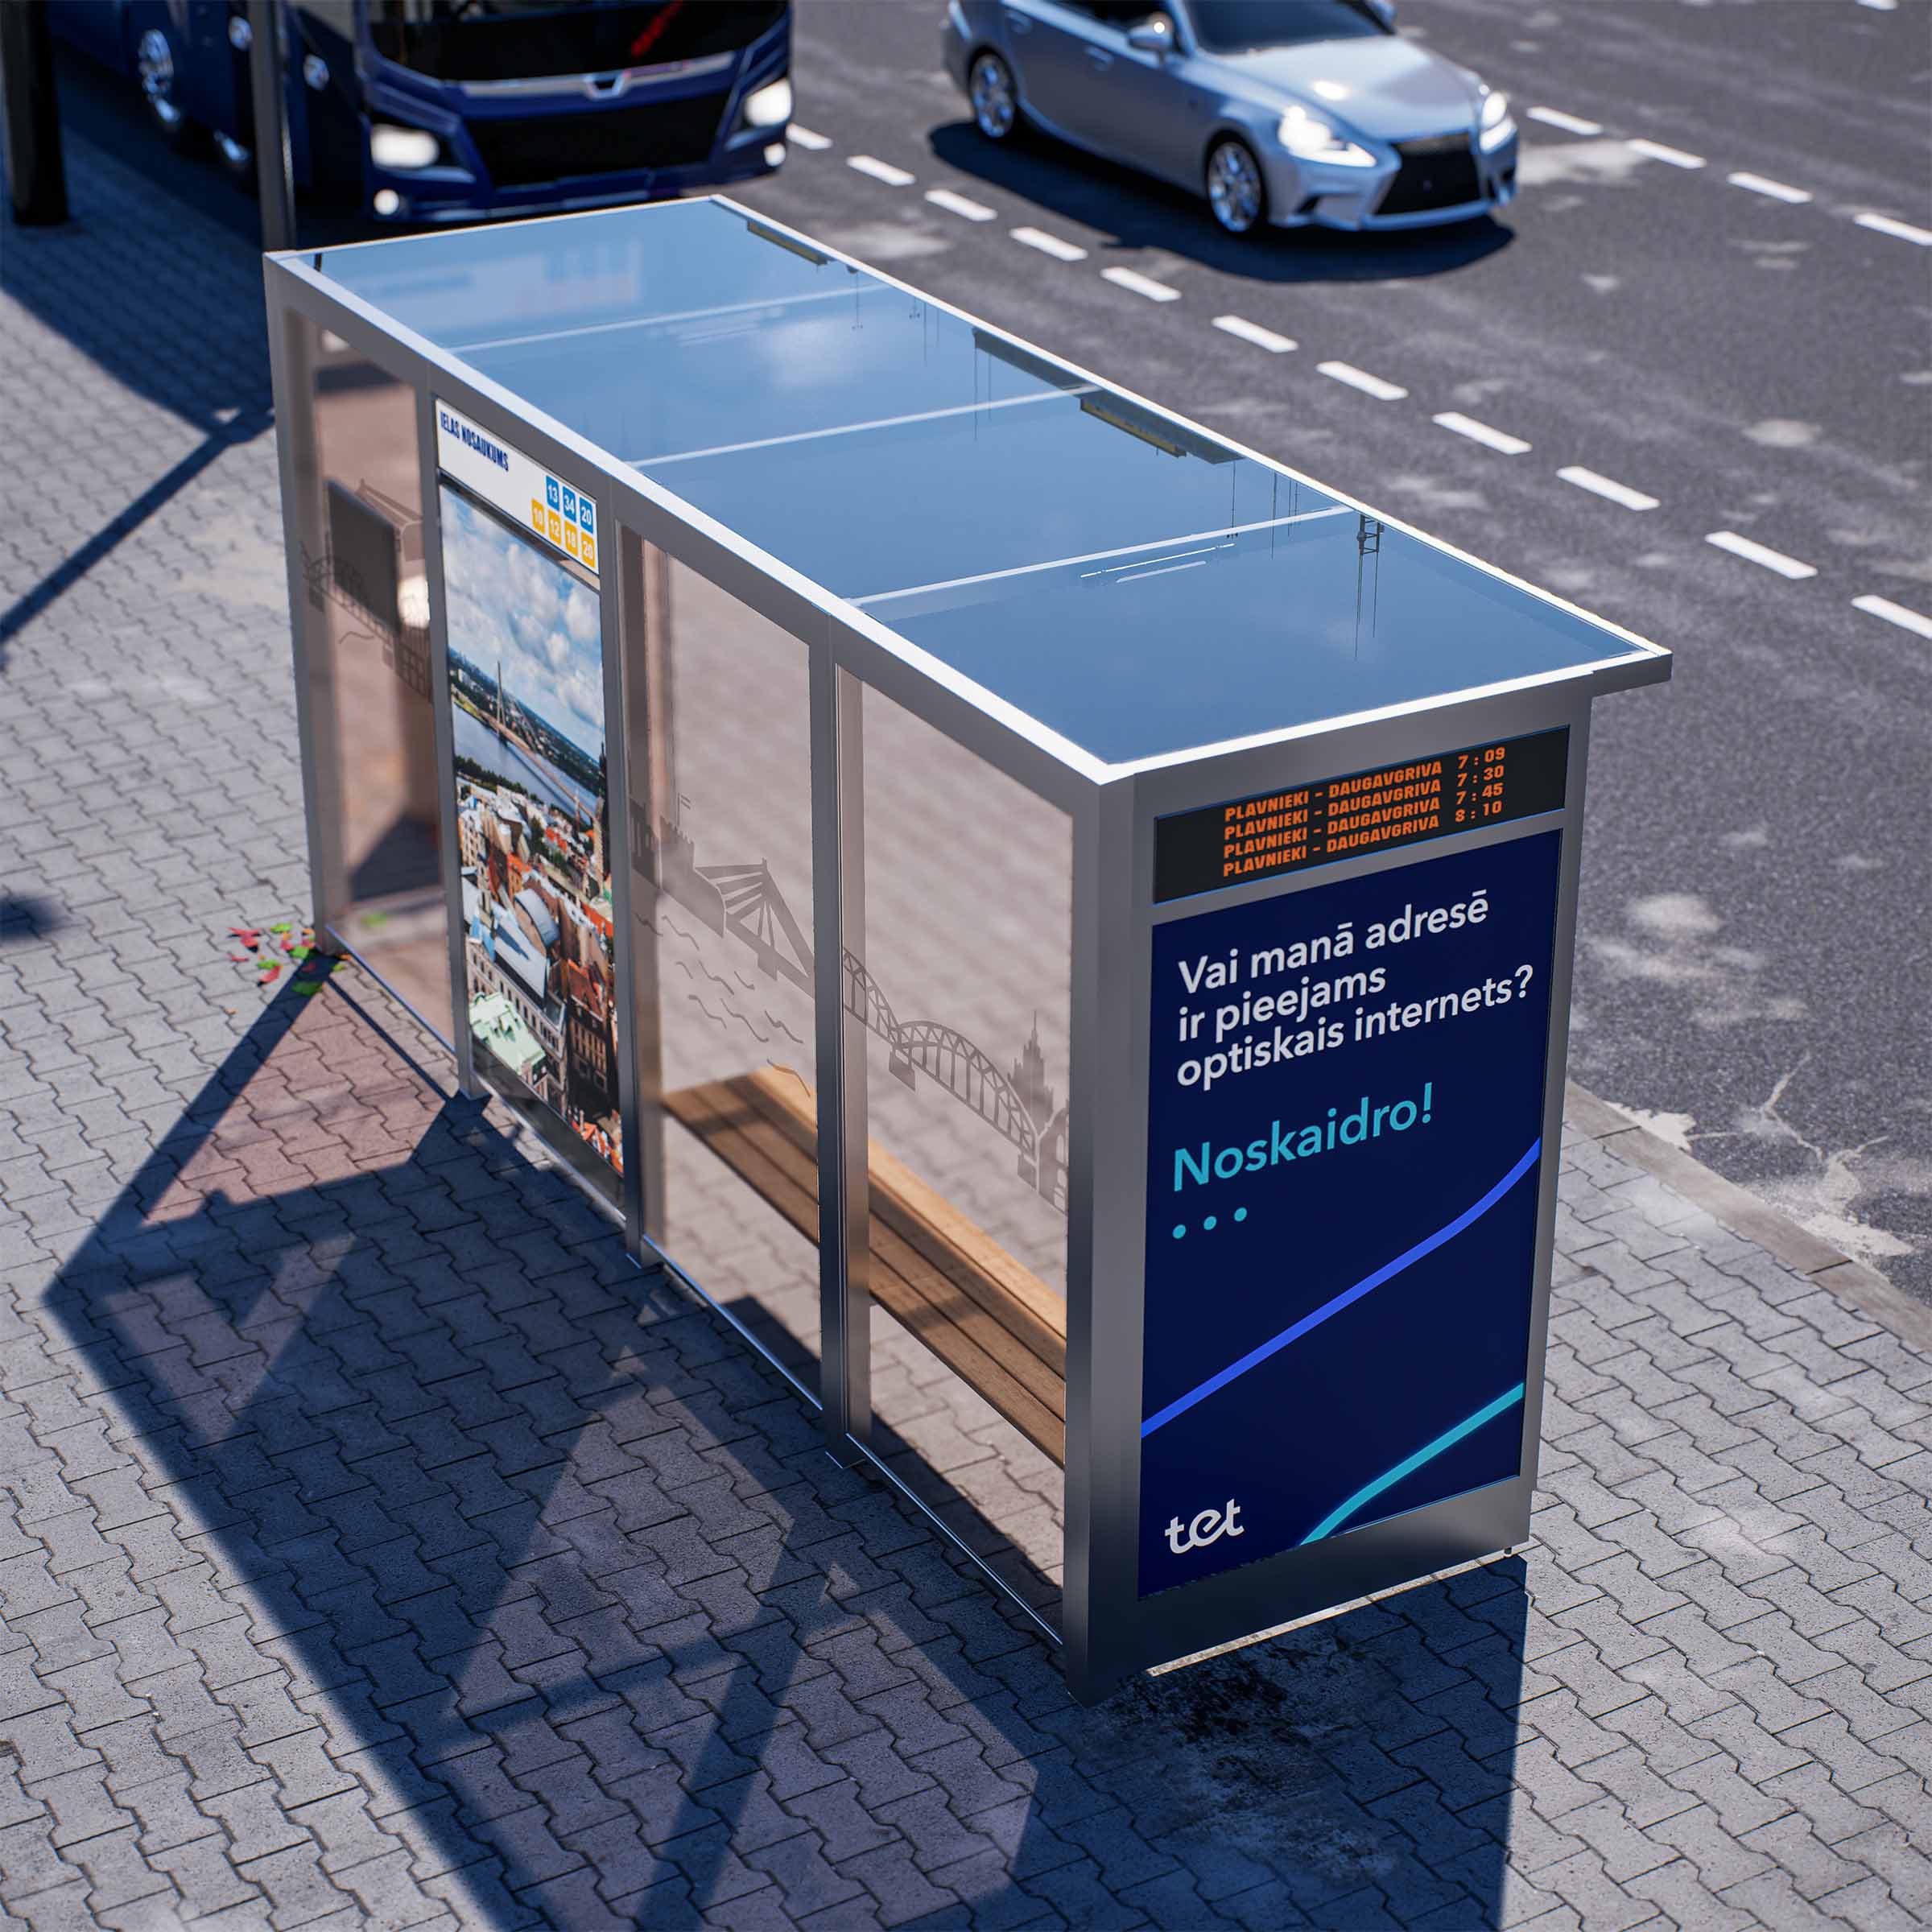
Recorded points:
1852,1281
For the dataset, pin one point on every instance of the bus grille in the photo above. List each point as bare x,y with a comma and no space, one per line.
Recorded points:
615,140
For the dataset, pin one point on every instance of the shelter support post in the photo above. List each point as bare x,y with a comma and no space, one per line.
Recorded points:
268,80
35,172
838,866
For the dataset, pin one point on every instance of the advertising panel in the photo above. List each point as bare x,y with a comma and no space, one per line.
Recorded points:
535,500
1344,1146
533,818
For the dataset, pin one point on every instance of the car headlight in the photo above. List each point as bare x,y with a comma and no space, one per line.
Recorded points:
403,147
768,107
1496,124
1309,138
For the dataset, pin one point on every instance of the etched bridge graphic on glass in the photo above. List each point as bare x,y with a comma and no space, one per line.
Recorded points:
745,900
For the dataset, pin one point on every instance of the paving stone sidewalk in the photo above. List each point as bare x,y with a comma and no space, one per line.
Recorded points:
378,1547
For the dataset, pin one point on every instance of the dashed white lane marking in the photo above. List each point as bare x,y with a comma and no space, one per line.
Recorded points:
1140,285
805,137
1759,553
880,171
1655,150
1049,244
1903,231
1482,433
1880,7
1894,614
958,204
1604,486
1757,184
1252,331
1570,124
1360,378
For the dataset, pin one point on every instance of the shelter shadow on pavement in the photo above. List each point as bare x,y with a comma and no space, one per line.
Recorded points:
79,280
1138,212
537,1559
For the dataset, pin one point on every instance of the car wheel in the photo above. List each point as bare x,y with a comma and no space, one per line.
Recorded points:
154,67
1235,190
996,100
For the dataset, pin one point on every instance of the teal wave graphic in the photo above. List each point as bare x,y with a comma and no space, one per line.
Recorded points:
1410,1464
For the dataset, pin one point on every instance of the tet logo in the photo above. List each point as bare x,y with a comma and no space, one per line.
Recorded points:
1209,1527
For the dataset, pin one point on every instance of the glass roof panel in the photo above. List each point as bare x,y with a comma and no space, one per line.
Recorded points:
1131,583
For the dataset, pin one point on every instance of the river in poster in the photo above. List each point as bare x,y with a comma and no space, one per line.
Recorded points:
1344,1155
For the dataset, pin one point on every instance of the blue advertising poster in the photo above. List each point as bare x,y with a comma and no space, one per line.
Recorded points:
1344,1149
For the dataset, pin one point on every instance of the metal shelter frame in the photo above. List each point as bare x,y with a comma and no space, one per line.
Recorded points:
1106,1633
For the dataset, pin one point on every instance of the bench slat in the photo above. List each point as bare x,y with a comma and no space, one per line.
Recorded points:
759,1133
1009,1292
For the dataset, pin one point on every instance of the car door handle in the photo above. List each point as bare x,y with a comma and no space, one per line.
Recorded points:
1101,61
1019,23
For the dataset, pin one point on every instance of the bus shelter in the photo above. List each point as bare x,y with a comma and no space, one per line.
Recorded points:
1058,926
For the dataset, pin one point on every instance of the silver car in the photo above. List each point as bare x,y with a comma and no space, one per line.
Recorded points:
1280,112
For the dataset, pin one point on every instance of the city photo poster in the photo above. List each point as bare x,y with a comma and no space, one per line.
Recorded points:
533,819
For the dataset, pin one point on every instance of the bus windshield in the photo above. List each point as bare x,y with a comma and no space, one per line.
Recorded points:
527,39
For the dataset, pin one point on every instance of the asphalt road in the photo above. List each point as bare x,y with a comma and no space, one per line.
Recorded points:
1753,969
1753,965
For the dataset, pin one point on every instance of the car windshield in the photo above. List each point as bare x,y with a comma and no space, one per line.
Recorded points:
521,39
1236,27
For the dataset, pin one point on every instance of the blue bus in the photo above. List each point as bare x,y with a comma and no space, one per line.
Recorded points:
440,110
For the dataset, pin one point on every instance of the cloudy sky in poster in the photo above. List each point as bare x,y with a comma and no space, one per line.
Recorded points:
507,600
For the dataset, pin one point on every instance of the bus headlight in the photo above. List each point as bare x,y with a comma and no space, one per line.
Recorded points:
403,147
768,107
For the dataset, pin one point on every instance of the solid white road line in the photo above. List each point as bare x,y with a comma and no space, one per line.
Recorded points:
1140,285
657,321
854,429
1903,231
1481,432
880,171
1777,190
958,204
1603,486
1655,150
1358,378
1160,570
1570,124
1894,614
1218,539
1757,553
1049,244
1252,331
805,137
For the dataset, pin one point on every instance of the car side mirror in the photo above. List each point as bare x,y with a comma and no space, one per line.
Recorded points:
1384,10
1155,35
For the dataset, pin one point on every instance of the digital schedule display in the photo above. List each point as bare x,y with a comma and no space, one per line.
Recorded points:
1361,812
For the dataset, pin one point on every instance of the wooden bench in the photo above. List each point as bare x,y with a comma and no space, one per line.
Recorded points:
943,1279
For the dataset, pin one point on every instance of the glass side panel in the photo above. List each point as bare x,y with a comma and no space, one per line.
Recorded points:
1134,583
364,612
960,975
718,740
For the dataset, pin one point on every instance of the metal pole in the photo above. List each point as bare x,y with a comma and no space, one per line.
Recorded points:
34,173
838,927
274,170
